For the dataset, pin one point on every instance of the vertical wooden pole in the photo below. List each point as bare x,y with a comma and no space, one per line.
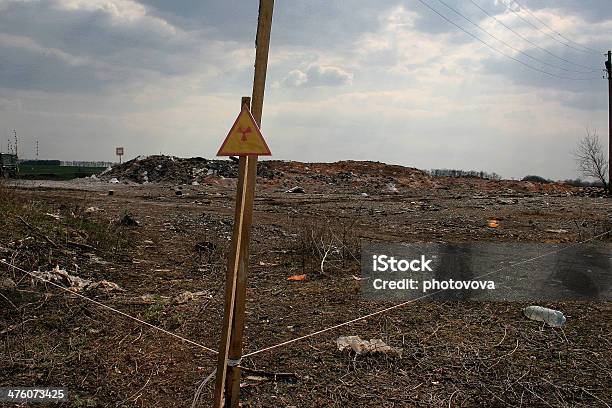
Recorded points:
231,281
227,387
262,44
232,378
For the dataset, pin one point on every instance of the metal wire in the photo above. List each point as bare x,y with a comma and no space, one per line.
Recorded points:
523,7
485,43
590,69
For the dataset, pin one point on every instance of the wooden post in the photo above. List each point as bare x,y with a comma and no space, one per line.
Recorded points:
232,378
236,270
227,387
262,43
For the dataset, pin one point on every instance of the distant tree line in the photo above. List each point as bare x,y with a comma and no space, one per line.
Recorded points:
65,163
584,183
87,163
39,162
574,183
536,179
464,173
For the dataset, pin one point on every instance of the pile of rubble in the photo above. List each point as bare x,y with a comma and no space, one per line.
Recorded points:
159,168
344,176
176,170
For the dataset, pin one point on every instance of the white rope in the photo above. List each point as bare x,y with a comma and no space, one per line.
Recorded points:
411,300
198,393
110,308
313,333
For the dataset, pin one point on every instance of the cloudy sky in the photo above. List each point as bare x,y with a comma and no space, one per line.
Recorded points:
357,79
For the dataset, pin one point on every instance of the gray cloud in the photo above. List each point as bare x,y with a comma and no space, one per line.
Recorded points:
156,75
58,45
591,10
318,75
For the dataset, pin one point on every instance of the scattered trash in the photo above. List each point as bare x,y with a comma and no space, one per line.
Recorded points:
259,377
506,201
365,195
297,278
61,277
105,286
188,296
114,180
128,220
262,263
557,231
493,224
75,283
111,192
54,216
553,318
299,190
90,210
391,188
178,192
372,346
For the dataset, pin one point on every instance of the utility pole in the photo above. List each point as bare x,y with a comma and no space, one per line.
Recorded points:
37,150
609,71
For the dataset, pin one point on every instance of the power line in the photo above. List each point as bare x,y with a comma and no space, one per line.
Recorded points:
590,69
552,29
498,50
504,42
538,28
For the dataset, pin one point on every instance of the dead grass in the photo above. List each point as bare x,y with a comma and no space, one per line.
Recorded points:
324,246
455,353
42,235
7,200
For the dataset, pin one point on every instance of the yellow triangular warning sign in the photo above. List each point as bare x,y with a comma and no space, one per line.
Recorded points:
244,138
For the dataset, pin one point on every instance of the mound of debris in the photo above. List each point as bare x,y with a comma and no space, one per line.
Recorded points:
366,177
160,168
343,176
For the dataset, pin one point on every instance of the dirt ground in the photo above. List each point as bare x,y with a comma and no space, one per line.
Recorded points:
170,271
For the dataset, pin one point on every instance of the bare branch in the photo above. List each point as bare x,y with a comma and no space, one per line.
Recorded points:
590,157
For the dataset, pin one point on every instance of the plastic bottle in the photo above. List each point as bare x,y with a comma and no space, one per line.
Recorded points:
551,317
